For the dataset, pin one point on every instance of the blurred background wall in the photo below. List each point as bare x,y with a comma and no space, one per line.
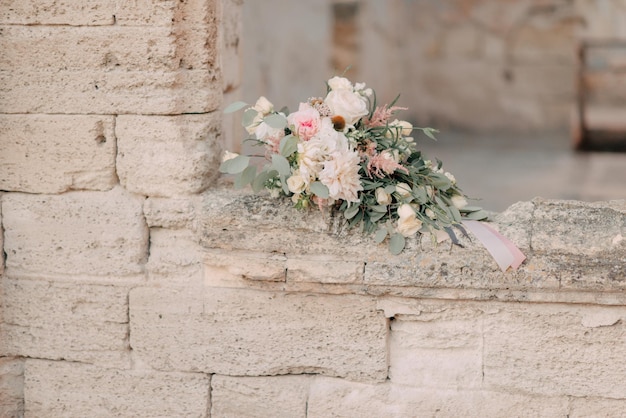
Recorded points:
477,65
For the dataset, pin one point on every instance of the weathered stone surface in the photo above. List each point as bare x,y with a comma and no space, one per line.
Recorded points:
266,333
170,213
323,269
175,257
246,265
106,12
168,156
93,233
11,387
597,407
441,347
56,153
57,388
259,397
86,323
230,35
340,398
109,92
555,349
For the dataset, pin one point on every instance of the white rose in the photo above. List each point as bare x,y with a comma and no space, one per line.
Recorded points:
296,183
409,226
255,123
339,83
382,197
450,177
430,214
229,156
263,106
399,127
458,201
407,128
403,189
347,104
406,211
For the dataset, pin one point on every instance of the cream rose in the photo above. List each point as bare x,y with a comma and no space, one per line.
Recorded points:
382,197
409,226
403,189
347,104
263,106
458,201
340,83
229,156
296,183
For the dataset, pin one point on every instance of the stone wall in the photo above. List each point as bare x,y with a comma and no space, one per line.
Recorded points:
132,285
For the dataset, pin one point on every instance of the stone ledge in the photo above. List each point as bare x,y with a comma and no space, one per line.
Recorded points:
575,252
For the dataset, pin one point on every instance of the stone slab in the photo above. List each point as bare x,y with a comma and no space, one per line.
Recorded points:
266,333
259,397
56,153
86,323
58,388
73,234
11,387
168,155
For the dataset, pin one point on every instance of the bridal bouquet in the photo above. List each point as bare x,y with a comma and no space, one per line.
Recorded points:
346,151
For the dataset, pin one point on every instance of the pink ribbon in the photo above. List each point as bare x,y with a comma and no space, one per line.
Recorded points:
501,249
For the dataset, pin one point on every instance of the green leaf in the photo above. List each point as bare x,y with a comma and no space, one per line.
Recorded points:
379,208
479,215
396,243
380,236
429,132
440,181
456,215
283,182
248,117
245,177
288,145
351,211
390,188
235,165
276,120
233,107
259,182
280,164
376,216
420,195
319,190
468,209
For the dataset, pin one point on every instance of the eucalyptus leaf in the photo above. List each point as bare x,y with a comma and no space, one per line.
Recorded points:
379,208
440,181
245,177
288,145
456,215
276,120
351,212
235,165
396,243
280,164
376,216
319,190
248,117
380,236
259,182
283,183
390,188
233,107
468,209
479,215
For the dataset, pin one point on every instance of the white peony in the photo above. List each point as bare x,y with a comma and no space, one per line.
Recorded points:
341,175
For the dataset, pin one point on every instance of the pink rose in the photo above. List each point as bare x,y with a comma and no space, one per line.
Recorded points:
305,123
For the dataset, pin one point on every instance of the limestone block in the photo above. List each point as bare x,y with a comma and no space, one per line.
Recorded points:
56,153
246,265
440,348
76,233
11,387
109,92
597,407
230,35
323,269
167,12
555,350
174,255
57,388
87,323
259,397
170,213
168,156
266,333
340,398
57,12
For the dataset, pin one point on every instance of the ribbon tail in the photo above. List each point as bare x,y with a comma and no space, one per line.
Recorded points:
504,252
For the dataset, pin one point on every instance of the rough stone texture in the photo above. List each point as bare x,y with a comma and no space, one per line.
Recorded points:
259,397
324,269
597,407
246,265
37,157
109,92
556,350
266,333
170,213
11,387
168,156
58,388
86,323
91,233
339,398
175,258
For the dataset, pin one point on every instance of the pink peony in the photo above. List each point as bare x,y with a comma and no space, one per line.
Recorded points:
305,122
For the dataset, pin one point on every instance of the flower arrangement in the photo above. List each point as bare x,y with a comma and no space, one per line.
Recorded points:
347,152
